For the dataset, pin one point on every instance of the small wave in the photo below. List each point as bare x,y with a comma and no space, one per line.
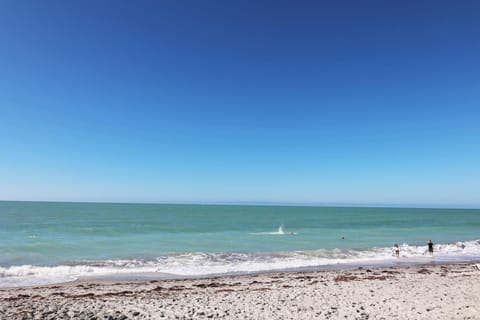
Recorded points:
280,231
198,263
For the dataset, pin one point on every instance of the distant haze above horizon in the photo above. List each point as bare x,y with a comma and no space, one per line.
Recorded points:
301,102
256,204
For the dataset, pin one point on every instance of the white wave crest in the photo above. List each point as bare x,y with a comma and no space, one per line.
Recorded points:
196,264
280,231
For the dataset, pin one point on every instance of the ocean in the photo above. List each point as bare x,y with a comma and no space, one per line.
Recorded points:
51,242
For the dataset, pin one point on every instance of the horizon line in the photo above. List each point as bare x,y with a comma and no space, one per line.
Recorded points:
269,203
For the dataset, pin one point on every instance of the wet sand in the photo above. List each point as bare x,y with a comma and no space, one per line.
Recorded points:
449,291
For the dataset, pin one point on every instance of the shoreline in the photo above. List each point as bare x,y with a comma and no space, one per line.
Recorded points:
447,290
407,262
161,276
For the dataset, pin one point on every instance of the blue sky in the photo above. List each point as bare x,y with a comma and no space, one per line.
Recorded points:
345,102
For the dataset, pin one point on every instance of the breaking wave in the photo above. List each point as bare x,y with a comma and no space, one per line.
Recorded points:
280,231
199,264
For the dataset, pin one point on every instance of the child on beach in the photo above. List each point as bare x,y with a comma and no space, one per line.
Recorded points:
396,250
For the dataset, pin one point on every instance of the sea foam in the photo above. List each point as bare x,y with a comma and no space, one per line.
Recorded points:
199,264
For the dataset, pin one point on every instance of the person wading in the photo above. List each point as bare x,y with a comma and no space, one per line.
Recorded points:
430,247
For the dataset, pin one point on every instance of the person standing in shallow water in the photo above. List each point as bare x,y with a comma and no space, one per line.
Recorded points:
430,247
396,249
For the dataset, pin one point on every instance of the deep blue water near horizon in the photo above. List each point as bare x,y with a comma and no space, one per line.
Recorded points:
222,238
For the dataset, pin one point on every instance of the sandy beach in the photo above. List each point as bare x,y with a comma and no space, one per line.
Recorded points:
450,291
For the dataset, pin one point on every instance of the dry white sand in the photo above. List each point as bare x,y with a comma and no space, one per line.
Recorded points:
450,291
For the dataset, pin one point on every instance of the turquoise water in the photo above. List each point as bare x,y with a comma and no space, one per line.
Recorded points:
196,239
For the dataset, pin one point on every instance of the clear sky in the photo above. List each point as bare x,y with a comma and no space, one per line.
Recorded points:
216,101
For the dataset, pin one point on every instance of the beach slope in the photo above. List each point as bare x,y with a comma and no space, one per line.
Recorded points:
450,291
